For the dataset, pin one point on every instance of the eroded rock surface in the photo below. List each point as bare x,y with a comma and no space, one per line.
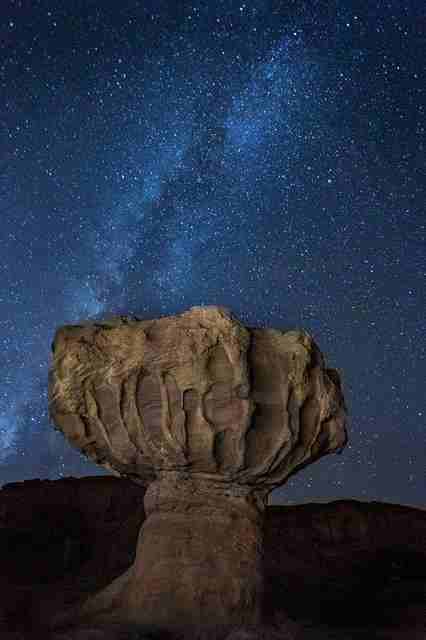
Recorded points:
197,392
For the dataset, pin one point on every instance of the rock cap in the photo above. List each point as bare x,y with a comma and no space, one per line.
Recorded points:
196,393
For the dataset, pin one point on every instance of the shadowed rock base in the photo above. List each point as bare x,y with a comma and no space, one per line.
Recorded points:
319,560
198,559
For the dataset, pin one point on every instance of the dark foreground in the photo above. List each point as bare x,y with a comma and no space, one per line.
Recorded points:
339,571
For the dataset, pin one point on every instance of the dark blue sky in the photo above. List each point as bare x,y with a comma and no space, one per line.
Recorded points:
267,156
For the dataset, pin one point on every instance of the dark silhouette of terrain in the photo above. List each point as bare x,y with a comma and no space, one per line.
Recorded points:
340,570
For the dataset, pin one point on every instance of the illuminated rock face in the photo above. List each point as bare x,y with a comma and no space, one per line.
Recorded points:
212,416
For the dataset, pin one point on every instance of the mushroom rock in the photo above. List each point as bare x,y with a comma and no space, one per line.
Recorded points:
211,416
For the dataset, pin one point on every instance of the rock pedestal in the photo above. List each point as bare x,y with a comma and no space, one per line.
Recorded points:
198,559
212,416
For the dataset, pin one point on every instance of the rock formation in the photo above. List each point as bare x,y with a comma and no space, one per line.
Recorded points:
211,416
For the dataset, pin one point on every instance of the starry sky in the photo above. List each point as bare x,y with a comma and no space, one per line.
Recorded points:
267,156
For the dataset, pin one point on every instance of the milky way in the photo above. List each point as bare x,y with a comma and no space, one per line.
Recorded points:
266,156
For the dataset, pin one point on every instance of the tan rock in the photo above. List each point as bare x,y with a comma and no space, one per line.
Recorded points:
212,416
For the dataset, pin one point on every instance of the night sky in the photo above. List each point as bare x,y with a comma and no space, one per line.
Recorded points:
266,156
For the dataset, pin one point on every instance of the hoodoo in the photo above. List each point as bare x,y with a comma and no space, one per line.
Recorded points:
210,416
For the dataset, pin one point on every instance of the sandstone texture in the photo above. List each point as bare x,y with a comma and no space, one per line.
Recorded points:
197,392
210,416
340,570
